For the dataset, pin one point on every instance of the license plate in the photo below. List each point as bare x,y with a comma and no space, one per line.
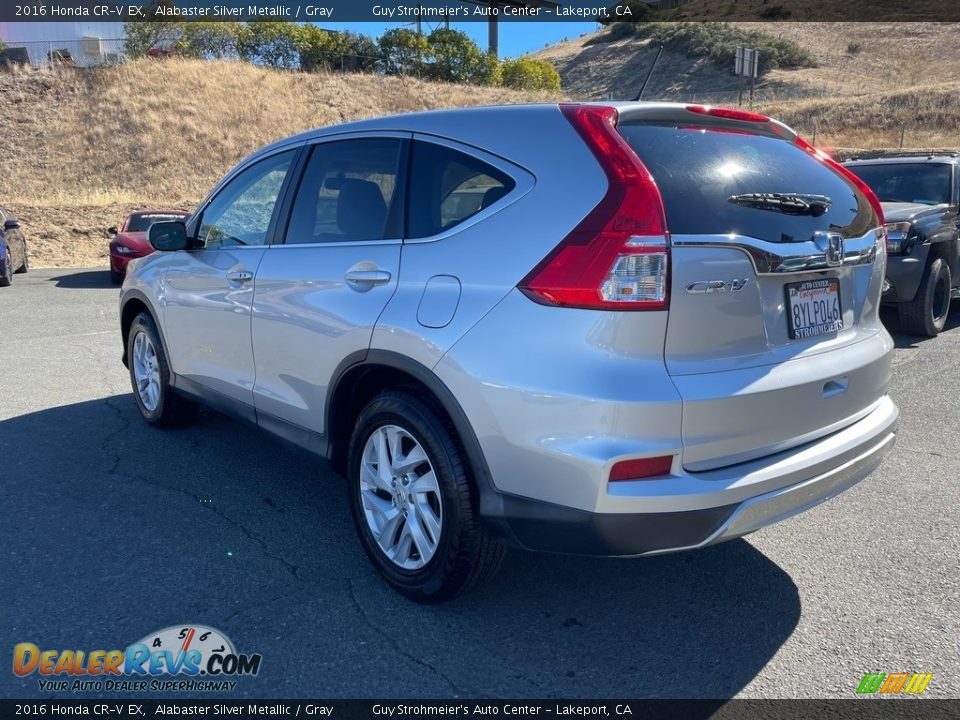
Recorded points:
813,308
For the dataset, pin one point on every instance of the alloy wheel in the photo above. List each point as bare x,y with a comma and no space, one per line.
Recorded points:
401,497
146,371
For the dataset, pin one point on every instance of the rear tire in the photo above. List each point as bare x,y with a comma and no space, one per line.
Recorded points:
156,399
927,313
25,267
6,278
412,508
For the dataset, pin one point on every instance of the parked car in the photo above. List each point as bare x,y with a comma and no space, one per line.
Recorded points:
657,329
920,195
130,240
13,248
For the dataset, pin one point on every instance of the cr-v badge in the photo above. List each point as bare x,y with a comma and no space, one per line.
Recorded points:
701,287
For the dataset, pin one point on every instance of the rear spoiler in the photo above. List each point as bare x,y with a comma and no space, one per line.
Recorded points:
707,115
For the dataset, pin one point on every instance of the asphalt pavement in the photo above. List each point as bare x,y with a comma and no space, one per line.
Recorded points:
110,530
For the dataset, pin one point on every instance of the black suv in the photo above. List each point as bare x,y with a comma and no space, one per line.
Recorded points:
920,195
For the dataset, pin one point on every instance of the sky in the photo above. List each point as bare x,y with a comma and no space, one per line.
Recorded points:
516,38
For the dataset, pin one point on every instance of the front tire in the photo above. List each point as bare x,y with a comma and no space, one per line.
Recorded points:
413,503
926,314
158,403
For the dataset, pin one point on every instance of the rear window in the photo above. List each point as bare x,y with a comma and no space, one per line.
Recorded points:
923,183
699,169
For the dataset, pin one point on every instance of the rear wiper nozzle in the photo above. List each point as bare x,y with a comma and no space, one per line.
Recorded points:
787,203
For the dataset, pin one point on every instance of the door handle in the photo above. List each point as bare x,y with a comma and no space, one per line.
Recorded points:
366,279
239,275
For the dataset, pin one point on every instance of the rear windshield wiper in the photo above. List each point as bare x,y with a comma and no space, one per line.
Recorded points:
787,203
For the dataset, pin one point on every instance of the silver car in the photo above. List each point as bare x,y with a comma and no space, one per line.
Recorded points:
618,329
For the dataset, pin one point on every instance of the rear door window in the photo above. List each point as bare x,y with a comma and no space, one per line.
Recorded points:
699,169
447,187
348,193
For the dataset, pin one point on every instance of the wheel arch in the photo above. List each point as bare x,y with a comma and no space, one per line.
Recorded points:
134,303
361,376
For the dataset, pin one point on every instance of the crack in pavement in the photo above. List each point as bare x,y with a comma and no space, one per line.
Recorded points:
290,567
931,453
114,470
124,426
396,646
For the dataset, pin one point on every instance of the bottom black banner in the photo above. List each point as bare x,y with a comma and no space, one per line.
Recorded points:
853,709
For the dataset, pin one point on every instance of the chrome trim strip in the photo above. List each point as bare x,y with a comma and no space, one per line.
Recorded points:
797,257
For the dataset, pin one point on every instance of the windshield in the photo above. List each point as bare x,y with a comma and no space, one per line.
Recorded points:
141,222
923,183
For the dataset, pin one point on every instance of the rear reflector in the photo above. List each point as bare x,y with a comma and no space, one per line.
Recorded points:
728,113
618,257
845,172
640,469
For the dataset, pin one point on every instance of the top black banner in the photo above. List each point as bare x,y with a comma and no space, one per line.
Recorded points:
602,11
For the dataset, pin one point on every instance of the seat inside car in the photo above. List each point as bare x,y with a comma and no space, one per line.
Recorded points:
361,210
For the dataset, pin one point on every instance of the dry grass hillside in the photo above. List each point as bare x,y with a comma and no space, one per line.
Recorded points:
852,58
82,148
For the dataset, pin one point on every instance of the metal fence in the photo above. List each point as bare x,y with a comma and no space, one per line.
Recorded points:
82,52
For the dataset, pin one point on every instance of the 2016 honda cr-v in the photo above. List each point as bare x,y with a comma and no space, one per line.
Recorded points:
605,329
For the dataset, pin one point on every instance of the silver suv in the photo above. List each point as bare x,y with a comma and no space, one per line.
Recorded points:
602,329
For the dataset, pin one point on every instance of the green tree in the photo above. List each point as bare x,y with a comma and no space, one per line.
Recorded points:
271,42
456,58
207,40
316,48
528,74
404,51
360,52
344,51
154,32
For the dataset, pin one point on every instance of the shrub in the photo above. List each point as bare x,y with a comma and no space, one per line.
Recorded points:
207,40
273,43
615,31
457,58
529,74
854,48
719,41
404,51
775,12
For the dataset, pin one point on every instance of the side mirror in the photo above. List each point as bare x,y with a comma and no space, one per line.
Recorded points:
113,230
168,236
11,224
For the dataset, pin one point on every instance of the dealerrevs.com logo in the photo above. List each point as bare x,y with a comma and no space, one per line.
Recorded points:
180,657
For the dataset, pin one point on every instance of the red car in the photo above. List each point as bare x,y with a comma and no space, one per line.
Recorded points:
131,241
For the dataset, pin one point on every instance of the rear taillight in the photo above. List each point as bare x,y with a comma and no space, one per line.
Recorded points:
618,257
853,178
641,468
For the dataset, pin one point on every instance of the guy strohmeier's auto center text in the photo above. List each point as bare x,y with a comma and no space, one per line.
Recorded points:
303,11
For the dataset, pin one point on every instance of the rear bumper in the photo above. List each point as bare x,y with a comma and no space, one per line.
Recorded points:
706,508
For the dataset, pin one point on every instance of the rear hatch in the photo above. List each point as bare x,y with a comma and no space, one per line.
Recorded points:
777,261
